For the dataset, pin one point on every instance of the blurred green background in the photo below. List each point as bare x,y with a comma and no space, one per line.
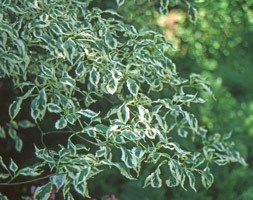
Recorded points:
219,46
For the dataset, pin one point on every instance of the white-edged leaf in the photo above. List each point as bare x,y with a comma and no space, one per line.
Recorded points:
124,170
21,46
2,197
124,114
43,192
80,69
67,80
61,123
54,108
3,176
70,118
156,181
144,114
120,2
207,178
112,86
82,189
94,77
25,124
31,170
13,166
132,87
69,49
47,71
110,40
88,113
153,179
84,174
58,181
42,98
18,144
172,182
15,108
2,132
28,93
182,133
130,135
128,158
192,179
34,108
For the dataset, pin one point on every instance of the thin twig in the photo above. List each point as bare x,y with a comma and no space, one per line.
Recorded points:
42,136
28,181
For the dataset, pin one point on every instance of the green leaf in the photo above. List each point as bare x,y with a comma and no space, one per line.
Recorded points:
192,179
124,171
2,163
47,71
55,28
28,93
207,178
4,176
182,133
42,98
193,13
84,174
61,123
13,166
7,28
15,108
138,152
112,86
12,133
132,87
25,124
67,80
30,171
130,135
18,144
58,181
123,114
172,182
39,24
153,179
88,113
120,2
35,113
54,108
69,196
43,192
101,152
21,47
127,157
2,133
82,189
144,114
69,49
156,181
80,69
2,197
110,41
70,118
94,77
164,4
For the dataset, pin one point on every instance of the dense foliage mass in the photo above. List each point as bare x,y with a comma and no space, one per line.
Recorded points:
97,94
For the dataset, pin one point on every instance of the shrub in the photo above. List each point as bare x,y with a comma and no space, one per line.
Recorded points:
113,90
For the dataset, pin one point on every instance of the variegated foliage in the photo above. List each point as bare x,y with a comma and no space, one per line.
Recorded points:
111,88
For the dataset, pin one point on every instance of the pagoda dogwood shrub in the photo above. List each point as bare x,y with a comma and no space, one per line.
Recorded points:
113,90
